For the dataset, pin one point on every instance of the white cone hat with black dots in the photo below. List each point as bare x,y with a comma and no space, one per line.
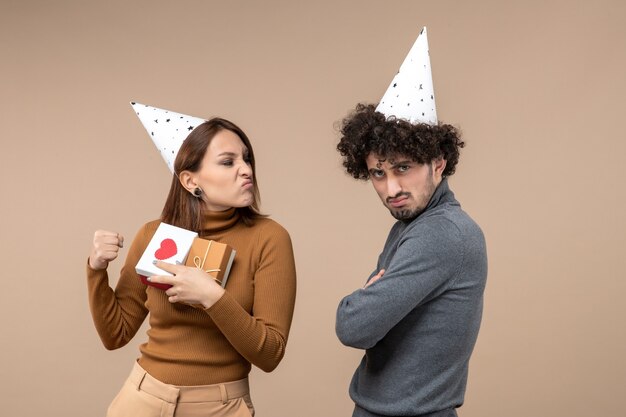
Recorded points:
410,95
167,129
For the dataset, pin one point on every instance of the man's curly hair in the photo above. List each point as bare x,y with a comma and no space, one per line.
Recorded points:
365,130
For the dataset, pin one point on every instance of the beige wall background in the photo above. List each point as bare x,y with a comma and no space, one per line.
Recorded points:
537,87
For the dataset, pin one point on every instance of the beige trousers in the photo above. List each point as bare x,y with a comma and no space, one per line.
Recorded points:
144,396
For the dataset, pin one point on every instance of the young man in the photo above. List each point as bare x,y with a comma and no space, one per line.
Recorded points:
419,313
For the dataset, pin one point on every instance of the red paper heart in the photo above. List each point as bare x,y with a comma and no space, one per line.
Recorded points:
167,249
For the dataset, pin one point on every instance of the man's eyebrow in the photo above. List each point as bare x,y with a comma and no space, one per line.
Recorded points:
404,162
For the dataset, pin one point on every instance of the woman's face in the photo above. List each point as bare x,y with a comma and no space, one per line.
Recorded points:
225,175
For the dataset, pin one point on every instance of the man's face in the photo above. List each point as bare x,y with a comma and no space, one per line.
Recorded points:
404,186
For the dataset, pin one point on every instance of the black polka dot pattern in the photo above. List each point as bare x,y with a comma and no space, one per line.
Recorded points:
410,94
167,129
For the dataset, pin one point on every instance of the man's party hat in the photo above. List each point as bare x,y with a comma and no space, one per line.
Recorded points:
410,95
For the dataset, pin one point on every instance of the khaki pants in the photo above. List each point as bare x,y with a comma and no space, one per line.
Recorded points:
144,396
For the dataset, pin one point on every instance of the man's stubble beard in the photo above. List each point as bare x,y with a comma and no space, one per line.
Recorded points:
407,215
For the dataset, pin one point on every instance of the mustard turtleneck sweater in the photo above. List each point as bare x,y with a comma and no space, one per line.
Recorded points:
191,346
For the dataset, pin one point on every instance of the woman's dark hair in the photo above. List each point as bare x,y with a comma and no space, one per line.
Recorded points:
365,130
181,208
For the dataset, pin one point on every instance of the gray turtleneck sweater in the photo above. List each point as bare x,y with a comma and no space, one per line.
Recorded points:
419,322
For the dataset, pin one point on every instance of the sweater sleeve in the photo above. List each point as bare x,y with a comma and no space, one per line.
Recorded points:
425,264
261,338
118,314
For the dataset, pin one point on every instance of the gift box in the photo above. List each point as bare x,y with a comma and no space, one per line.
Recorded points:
169,244
213,257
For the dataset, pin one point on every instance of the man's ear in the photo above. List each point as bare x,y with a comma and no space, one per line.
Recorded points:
439,165
188,180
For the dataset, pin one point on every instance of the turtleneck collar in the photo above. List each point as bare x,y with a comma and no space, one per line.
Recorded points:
215,221
441,193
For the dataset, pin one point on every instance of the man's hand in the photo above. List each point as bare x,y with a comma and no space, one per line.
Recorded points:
189,285
375,278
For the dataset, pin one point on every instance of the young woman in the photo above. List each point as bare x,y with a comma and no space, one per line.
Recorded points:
202,338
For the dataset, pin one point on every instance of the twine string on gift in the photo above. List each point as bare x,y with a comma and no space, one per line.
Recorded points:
199,263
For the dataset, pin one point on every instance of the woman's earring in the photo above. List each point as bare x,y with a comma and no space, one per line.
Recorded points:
197,192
